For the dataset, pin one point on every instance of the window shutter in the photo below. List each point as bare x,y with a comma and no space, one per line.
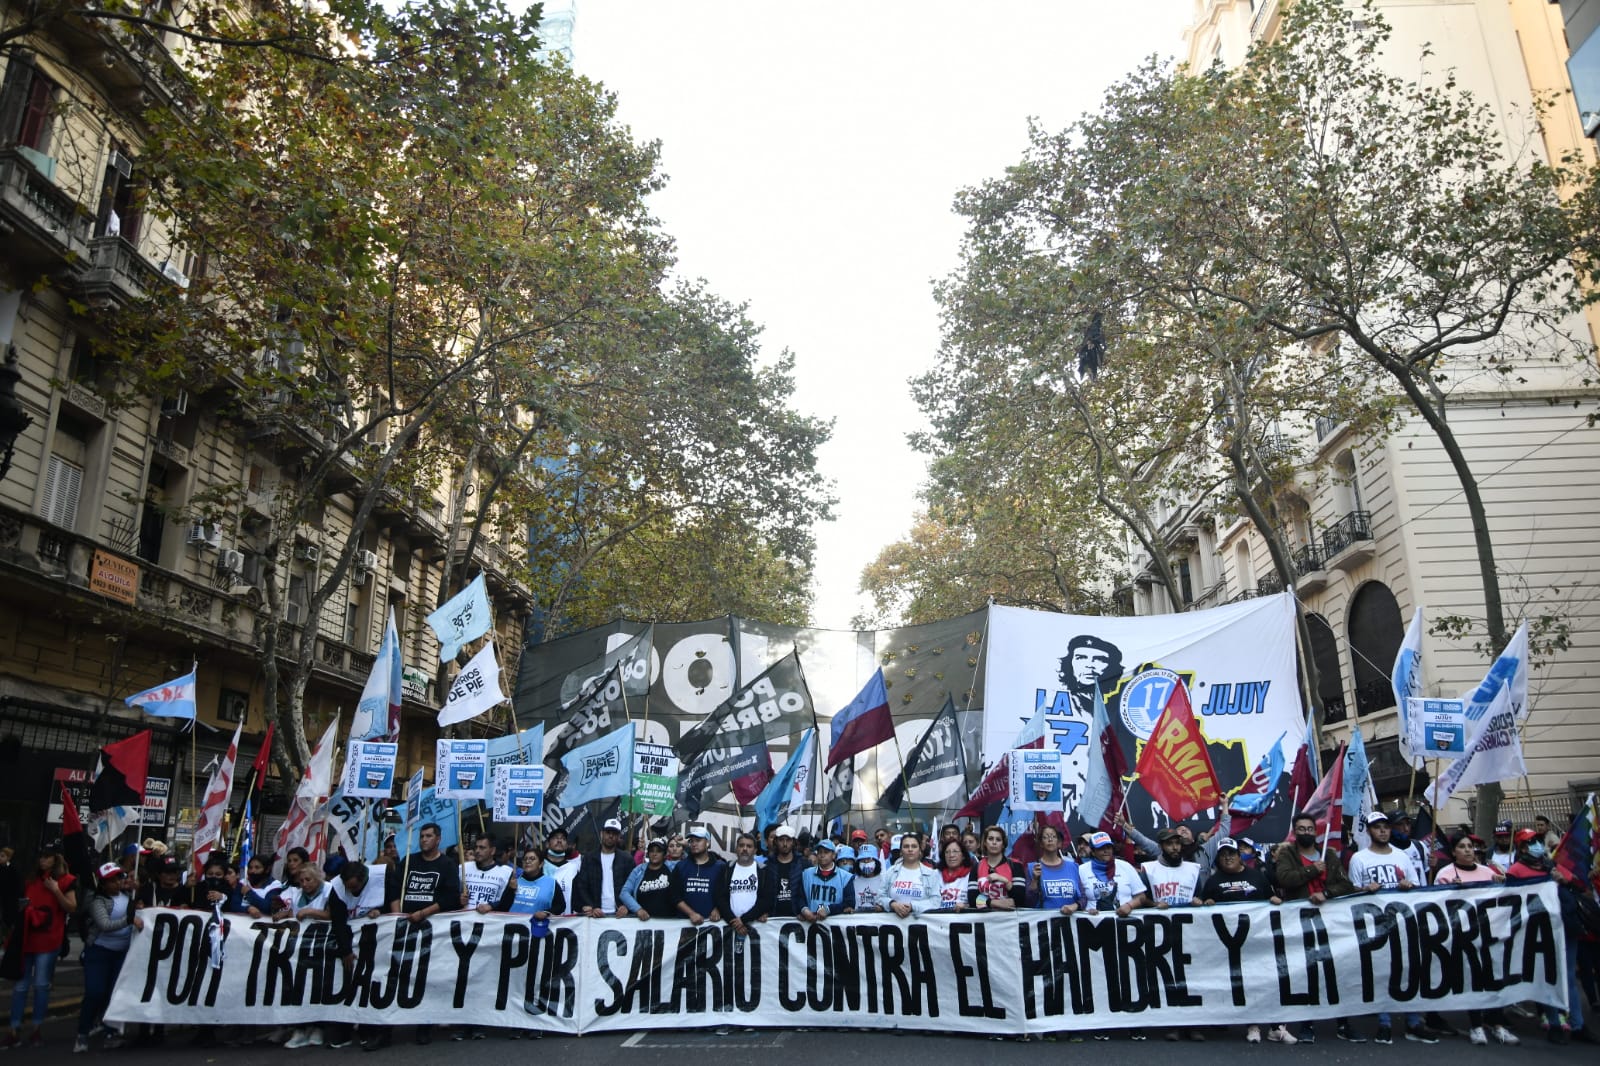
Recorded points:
63,482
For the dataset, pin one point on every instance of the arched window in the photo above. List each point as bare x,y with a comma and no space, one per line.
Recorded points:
1376,630
1349,483
1330,675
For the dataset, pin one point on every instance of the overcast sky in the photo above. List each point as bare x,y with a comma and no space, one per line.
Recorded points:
813,152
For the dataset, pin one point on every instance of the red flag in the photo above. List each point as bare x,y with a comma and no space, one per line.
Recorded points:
1174,766
1326,804
123,768
996,786
748,787
864,724
70,821
263,757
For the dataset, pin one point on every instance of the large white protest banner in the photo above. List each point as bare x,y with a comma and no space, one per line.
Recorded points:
999,973
1238,662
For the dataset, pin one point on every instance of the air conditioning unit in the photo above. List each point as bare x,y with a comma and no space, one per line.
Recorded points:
198,534
121,164
214,537
176,405
367,561
231,562
307,553
360,577
293,613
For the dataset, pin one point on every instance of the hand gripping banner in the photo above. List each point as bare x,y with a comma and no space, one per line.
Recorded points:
995,973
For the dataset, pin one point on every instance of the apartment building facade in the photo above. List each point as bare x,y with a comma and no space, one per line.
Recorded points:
112,576
1378,525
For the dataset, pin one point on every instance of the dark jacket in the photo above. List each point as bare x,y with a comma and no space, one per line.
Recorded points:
586,886
1293,877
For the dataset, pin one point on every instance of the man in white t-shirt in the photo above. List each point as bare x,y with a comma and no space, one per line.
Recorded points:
483,881
740,891
1173,882
1382,868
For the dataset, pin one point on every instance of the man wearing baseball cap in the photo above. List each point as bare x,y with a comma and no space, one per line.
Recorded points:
781,875
598,886
825,888
1109,884
1502,856
696,878
1380,867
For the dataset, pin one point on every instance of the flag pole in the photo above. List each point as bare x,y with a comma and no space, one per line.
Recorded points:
460,846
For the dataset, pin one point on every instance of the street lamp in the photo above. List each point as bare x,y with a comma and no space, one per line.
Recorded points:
13,419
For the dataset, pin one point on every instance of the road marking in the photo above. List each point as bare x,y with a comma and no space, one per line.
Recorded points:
692,1038
633,1041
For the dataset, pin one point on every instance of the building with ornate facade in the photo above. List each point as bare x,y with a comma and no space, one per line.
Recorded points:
1378,526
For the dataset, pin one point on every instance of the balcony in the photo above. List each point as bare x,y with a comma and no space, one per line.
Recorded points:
1373,696
43,225
1311,574
1327,426
1348,542
1269,585
118,275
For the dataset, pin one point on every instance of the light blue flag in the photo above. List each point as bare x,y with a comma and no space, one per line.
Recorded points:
1356,773
1258,792
792,780
170,699
523,749
1406,677
599,769
1097,785
464,617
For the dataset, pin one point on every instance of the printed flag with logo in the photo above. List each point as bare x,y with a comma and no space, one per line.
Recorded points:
599,769
1174,766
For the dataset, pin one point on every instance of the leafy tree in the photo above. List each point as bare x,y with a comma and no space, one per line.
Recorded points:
429,261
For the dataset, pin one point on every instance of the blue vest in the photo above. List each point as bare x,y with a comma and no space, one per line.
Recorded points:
534,896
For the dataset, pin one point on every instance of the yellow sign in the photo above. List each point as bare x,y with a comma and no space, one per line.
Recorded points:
113,576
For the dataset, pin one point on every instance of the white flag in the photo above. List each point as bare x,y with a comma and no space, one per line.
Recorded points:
1494,710
464,617
208,830
476,689
308,812
1406,678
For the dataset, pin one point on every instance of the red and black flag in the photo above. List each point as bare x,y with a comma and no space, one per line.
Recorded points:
123,766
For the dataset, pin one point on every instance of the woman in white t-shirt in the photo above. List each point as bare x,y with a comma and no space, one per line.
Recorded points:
912,887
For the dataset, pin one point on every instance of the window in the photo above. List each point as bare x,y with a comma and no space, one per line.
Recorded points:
1376,630
27,102
1245,573
63,483
232,705
1185,582
121,198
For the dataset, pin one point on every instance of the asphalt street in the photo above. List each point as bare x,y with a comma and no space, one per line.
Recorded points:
804,1048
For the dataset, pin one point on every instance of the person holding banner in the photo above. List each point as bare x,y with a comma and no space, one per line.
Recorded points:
108,933
740,892
1108,884
1380,867
1000,883
601,876
563,866
698,879
484,880
911,887
868,881
959,889
826,888
648,893
1053,882
781,874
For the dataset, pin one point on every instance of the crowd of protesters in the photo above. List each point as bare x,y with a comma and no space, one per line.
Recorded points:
785,875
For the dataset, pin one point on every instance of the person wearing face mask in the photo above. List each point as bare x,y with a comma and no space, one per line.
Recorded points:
1302,873
1533,860
868,884
562,864
1401,840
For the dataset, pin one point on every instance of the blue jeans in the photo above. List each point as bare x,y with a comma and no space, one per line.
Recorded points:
100,969
37,970
1574,991
1412,1020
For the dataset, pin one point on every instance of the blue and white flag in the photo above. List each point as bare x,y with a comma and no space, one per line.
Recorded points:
1259,790
1494,711
464,617
599,769
378,714
1097,784
1357,772
1406,677
170,699
791,788
247,840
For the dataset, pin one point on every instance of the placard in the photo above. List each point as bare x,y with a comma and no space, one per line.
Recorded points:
518,793
1444,726
369,769
156,791
461,770
655,780
114,577
1036,779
